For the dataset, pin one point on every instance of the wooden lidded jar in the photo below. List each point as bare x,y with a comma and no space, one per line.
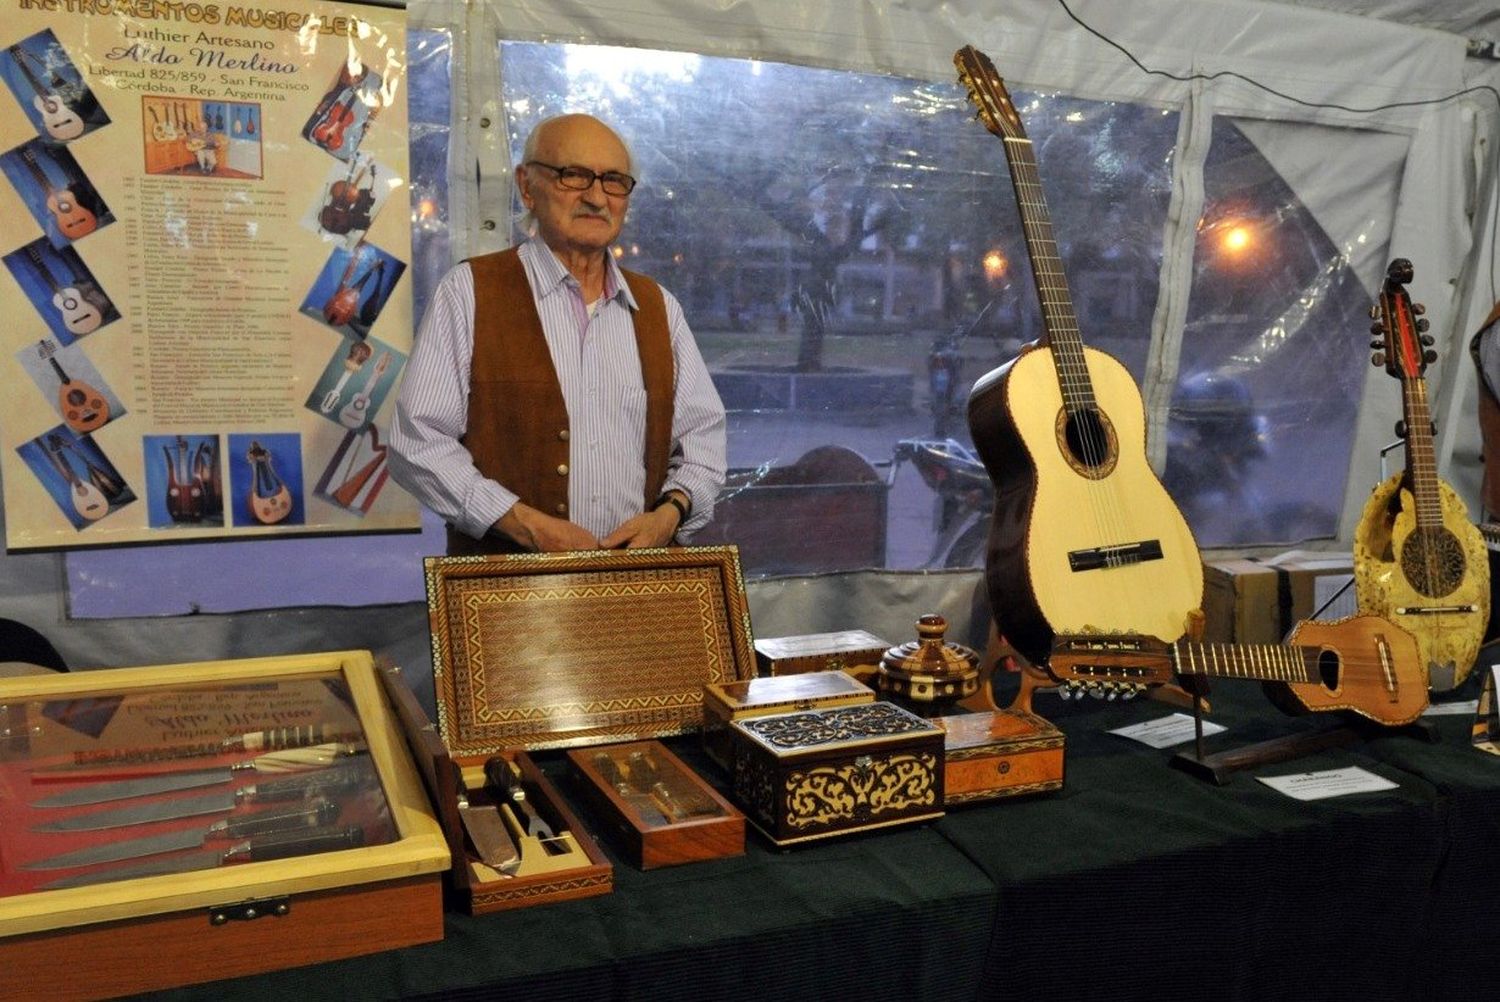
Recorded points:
929,673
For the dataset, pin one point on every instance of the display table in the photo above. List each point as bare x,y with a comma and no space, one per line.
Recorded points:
1136,881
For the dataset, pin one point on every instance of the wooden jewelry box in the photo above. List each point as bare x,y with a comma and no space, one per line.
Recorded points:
659,809
826,772
818,652
724,702
558,650
999,753
162,899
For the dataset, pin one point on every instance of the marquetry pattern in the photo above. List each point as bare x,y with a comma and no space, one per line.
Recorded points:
822,727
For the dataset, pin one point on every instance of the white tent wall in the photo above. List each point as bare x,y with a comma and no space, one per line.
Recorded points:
1443,156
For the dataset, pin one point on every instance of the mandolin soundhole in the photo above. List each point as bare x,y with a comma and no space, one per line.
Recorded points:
1088,442
1432,561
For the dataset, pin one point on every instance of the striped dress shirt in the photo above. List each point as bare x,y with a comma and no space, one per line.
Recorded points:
599,369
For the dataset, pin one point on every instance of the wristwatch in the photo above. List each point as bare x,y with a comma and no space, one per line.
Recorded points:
671,499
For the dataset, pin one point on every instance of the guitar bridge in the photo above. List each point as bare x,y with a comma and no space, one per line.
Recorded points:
1432,610
1114,556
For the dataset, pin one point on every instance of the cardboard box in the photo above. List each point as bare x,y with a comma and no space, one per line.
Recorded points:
128,934
1240,602
553,650
828,772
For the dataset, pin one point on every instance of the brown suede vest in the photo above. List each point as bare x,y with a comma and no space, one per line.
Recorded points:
517,430
1489,422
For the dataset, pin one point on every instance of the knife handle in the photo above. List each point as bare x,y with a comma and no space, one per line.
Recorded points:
338,780
320,813
282,845
299,759
278,738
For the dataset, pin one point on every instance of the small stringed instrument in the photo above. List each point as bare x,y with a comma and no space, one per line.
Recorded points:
88,500
329,133
339,214
1084,534
206,473
344,303
80,314
357,411
1365,664
59,118
72,219
359,354
83,407
1418,560
270,499
250,121
184,495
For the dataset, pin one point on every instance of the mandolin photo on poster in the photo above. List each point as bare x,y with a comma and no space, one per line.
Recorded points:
70,383
352,288
77,475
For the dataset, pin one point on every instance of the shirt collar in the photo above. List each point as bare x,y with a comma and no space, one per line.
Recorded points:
554,275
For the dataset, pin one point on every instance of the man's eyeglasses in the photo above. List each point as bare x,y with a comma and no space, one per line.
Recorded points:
582,179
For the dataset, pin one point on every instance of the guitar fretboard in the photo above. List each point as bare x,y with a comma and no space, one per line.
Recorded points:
1051,283
1266,662
1421,461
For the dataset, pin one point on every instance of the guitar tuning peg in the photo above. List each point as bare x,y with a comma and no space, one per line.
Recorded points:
1426,339
1423,324
1418,309
1377,345
1377,328
1377,359
1375,312
1429,356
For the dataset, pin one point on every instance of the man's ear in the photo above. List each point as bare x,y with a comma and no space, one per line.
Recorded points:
523,186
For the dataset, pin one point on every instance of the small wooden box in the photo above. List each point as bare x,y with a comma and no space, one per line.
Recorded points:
661,811
999,753
150,933
554,650
818,652
822,773
756,697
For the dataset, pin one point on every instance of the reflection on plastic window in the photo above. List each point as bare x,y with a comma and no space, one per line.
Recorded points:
847,249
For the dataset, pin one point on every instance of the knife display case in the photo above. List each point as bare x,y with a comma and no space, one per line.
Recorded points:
659,809
561,650
176,824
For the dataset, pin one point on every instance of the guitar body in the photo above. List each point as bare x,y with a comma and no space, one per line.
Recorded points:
89,501
72,218
341,306
83,407
270,500
272,509
61,121
1053,509
1435,584
1371,666
78,314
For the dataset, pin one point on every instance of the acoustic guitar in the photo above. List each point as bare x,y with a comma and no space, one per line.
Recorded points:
88,500
1084,535
270,499
359,354
80,313
83,407
357,411
1418,560
59,118
1364,664
73,219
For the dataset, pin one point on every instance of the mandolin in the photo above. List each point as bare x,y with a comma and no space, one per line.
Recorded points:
88,500
1365,664
1418,560
270,499
344,302
1083,533
83,407
73,219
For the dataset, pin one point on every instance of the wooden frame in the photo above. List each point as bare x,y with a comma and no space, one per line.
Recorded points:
554,650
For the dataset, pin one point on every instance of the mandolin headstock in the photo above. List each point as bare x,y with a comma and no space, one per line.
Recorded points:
1108,666
987,91
1404,347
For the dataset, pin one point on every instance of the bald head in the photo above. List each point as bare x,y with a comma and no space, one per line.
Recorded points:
569,220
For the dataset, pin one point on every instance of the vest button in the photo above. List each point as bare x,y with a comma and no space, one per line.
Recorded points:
563,435
562,509
562,469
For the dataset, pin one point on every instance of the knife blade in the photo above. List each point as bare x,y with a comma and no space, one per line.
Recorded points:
487,832
255,742
276,845
284,760
319,813
329,781
503,775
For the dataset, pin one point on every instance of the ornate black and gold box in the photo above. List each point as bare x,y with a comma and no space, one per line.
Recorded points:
759,697
821,773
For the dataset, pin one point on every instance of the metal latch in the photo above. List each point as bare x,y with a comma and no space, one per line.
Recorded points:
249,911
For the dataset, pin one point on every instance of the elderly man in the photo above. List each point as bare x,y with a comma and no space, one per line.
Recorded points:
554,400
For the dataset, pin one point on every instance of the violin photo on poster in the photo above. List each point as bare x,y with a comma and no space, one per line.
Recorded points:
194,248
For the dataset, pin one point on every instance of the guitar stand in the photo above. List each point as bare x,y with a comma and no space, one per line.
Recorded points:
1219,767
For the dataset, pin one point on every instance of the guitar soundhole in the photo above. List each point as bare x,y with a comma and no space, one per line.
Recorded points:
1328,670
1088,442
1433,561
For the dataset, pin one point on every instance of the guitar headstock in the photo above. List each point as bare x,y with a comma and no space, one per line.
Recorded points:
987,91
1108,666
1404,346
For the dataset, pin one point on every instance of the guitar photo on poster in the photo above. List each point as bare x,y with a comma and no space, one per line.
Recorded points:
62,290
55,191
79,478
49,87
265,479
